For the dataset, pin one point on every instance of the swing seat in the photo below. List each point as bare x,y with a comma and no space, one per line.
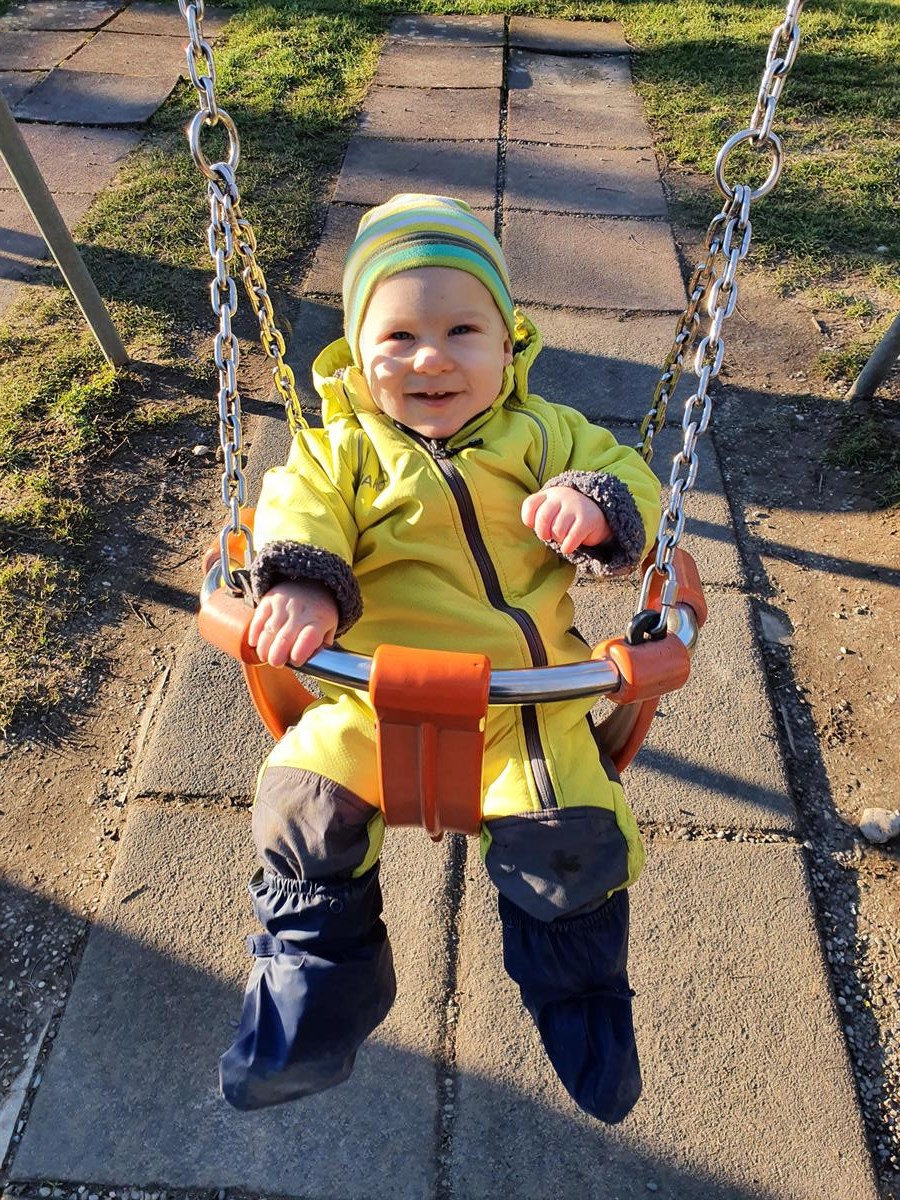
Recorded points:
431,711
431,705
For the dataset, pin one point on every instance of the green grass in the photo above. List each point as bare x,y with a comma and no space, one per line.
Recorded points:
292,74
872,447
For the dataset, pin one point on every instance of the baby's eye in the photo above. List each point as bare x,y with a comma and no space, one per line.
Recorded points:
398,335
462,329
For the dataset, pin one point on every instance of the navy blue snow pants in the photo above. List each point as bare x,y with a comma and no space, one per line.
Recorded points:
324,980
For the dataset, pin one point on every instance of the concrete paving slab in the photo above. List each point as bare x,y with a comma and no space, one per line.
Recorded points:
131,54
21,244
578,118
593,262
373,170
709,534
58,14
207,740
41,50
712,758
475,31
143,16
75,160
439,64
340,229
605,366
620,183
15,84
567,37
315,324
341,223
553,72
86,98
152,1008
460,113
732,994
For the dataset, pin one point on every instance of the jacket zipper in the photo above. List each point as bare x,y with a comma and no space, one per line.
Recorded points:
441,457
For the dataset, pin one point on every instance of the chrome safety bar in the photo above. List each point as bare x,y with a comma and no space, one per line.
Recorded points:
526,685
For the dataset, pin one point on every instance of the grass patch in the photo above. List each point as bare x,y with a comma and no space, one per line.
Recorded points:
292,80
846,362
28,649
873,448
291,73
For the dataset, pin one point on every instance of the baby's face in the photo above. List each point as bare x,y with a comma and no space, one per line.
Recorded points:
433,346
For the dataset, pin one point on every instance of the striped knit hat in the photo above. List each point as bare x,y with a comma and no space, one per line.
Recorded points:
412,231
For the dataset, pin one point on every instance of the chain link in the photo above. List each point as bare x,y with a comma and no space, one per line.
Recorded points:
713,287
229,235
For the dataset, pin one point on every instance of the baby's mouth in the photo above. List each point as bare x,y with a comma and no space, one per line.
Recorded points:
431,396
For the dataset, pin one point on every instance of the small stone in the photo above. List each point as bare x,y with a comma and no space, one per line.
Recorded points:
652,1187
201,451
775,628
880,824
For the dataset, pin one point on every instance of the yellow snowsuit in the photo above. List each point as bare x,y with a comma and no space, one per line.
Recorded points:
429,536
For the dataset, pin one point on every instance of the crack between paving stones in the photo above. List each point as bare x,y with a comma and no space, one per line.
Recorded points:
445,1067
567,212
501,137
578,145
546,306
684,832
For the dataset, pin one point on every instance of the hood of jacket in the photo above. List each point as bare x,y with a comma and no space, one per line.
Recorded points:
345,393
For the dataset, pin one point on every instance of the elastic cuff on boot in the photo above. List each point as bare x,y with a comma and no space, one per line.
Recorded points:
323,983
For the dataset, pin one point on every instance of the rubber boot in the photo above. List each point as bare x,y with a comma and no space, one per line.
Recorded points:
572,976
322,982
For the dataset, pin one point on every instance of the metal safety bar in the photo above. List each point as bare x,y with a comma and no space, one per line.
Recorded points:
525,685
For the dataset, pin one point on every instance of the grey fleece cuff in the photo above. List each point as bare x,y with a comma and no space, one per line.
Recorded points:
296,562
621,553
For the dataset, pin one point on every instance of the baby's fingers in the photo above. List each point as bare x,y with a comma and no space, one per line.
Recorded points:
261,615
306,644
572,536
530,505
546,518
275,643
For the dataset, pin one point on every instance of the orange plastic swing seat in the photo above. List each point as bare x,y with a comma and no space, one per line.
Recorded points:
431,705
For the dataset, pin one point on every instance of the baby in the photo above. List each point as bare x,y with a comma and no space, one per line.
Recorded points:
441,505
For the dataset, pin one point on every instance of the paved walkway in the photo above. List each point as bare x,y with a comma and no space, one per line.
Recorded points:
82,78
748,1092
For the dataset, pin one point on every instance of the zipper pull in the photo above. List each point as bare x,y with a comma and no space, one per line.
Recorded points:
459,449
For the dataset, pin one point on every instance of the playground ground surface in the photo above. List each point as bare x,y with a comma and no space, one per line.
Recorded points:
819,546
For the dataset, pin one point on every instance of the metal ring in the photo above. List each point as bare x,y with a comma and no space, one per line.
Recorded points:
200,119
773,141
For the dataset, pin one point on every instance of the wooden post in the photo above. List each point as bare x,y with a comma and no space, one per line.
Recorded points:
877,369
36,194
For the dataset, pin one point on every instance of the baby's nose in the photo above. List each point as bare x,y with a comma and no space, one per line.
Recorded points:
431,356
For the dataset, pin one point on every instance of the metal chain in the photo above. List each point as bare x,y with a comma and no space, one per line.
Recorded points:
229,233
713,287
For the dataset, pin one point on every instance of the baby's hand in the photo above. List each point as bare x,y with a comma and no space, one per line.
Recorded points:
566,517
292,622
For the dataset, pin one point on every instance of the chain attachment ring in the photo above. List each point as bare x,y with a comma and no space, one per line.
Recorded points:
772,141
201,119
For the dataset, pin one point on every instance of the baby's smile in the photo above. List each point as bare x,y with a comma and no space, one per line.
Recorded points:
433,348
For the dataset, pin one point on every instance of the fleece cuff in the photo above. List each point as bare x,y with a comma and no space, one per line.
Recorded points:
296,562
622,552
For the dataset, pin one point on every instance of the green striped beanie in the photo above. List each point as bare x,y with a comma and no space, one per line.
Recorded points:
414,230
